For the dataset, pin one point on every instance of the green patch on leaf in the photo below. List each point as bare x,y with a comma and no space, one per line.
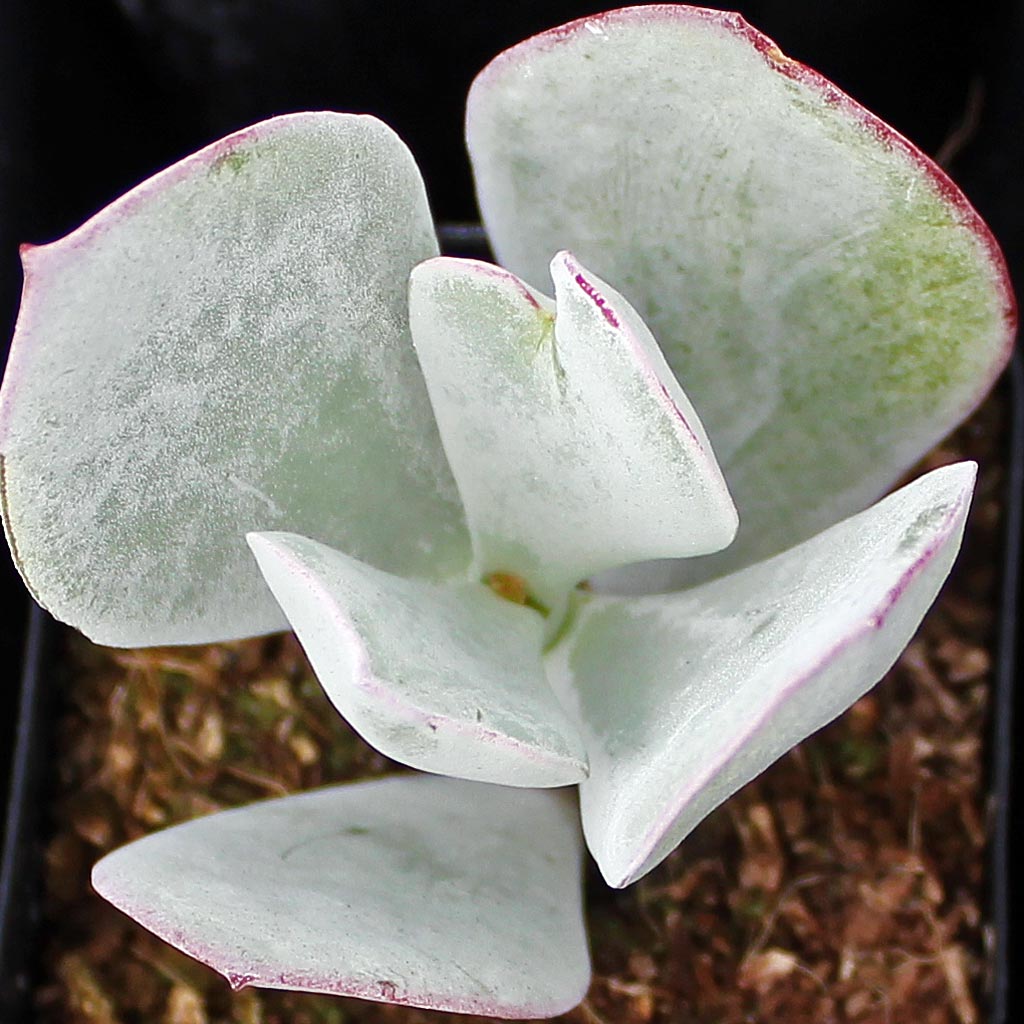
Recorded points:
234,160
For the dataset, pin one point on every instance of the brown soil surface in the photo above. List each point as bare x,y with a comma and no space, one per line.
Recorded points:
844,886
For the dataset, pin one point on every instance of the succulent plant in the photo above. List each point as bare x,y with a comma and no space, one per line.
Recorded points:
428,455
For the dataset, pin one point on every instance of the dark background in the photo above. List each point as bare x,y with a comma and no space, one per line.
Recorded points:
95,95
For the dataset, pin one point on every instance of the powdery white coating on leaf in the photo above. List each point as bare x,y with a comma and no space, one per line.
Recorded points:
226,349
574,448
684,698
830,301
444,678
416,890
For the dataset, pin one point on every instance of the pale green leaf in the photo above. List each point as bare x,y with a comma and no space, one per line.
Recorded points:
574,448
226,349
683,698
827,297
416,890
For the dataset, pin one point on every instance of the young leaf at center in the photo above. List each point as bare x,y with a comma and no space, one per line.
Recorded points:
573,446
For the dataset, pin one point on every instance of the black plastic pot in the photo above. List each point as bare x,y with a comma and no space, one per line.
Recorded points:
1005,848
21,859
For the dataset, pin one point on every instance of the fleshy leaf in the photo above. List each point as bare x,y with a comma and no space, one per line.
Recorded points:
226,349
415,890
445,678
684,698
574,448
827,296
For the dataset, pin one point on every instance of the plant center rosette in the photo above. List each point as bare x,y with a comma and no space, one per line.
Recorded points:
258,352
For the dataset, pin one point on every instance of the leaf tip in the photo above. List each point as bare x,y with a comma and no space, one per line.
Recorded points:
566,270
259,542
956,479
